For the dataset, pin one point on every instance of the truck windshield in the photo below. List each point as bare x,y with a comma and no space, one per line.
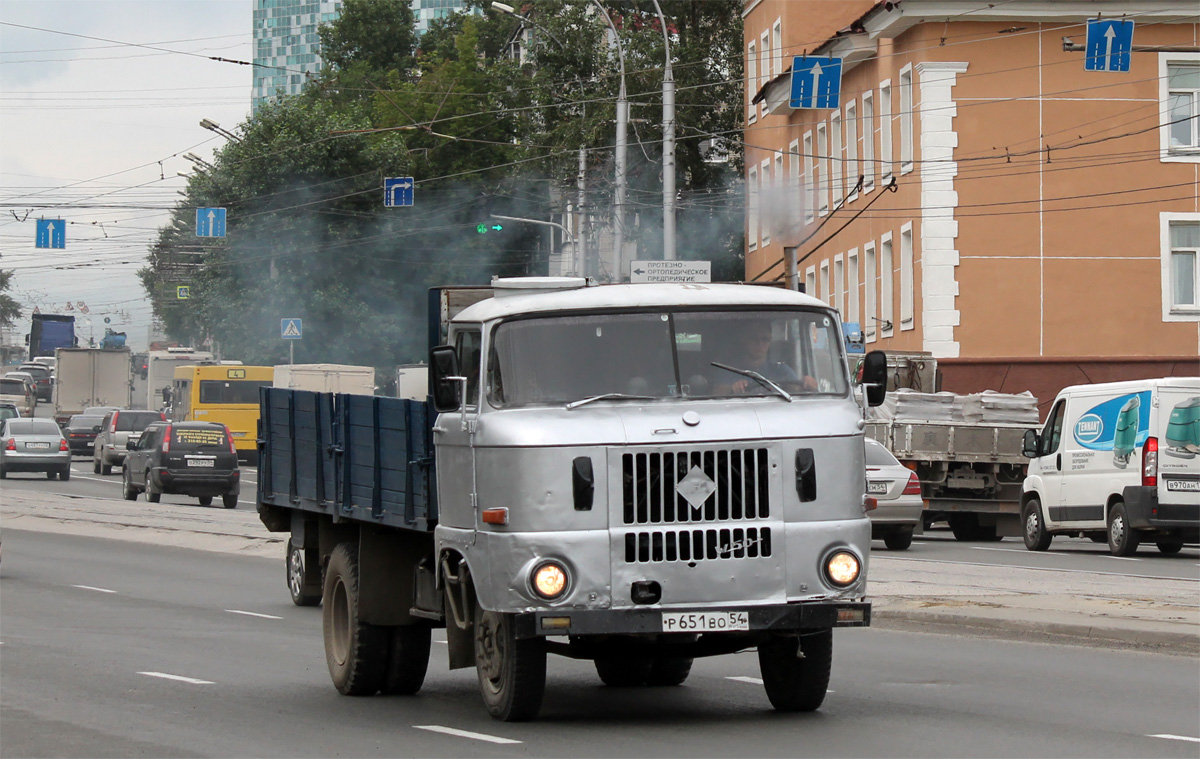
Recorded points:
661,355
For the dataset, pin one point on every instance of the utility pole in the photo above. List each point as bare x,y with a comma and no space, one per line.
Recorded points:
581,204
668,90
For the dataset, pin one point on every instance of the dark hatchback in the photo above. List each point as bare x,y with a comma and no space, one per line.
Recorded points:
81,432
183,458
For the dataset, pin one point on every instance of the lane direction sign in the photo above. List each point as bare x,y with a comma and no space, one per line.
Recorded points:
210,222
816,82
51,233
291,329
398,191
1109,42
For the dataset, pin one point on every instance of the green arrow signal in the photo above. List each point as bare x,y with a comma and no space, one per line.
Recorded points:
497,227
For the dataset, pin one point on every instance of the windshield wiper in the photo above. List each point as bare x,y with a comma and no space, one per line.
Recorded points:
757,378
610,397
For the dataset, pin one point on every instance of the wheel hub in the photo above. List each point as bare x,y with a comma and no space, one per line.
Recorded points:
1031,525
1118,529
488,653
295,572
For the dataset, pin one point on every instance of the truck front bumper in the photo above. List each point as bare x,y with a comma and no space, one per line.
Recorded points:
792,617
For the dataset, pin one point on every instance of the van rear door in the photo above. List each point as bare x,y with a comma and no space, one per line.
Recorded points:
1178,432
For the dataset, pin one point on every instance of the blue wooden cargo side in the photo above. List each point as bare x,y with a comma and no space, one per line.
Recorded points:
355,457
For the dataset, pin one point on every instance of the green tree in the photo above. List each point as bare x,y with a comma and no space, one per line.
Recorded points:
376,34
10,310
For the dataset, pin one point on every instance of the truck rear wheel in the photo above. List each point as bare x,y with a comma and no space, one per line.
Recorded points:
796,684
408,659
355,651
512,671
1033,528
1169,547
1123,540
623,671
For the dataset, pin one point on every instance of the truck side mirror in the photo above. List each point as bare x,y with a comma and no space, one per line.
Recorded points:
874,377
443,367
1030,444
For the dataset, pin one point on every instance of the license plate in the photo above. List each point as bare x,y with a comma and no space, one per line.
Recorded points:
200,462
705,621
37,446
877,488
1183,486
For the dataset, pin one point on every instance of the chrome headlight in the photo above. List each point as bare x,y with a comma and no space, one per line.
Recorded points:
842,568
549,580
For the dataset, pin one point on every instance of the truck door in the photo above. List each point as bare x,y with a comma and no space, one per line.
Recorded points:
1050,461
454,445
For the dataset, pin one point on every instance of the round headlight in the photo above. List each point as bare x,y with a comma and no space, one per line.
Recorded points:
550,579
842,568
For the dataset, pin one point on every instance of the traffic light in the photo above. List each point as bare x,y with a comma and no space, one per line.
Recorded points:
493,226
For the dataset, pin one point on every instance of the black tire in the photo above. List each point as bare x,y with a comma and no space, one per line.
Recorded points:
152,495
512,671
64,474
127,489
229,500
106,469
95,466
1122,539
1033,526
898,539
964,526
1169,547
355,651
796,684
301,595
670,671
50,474
623,671
408,659
3,474
205,500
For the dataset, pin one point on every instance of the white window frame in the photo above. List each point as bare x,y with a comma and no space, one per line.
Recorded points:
777,46
822,169
852,170
836,160
907,292
765,184
906,120
839,285
793,172
885,132
751,81
852,286
809,190
870,322
764,65
752,208
825,288
1167,154
1172,312
810,281
868,137
887,273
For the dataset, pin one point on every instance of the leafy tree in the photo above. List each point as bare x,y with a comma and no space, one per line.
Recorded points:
10,310
376,34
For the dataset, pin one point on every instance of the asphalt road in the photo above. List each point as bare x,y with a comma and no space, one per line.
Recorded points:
121,649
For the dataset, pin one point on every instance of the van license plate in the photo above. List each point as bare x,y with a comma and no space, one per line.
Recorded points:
200,462
1183,486
707,621
877,488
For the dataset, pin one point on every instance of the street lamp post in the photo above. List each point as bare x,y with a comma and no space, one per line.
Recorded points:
213,126
619,155
668,90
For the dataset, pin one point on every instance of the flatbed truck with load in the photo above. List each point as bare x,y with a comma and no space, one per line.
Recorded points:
595,476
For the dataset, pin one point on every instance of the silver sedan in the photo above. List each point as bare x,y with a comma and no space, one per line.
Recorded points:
34,445
898,494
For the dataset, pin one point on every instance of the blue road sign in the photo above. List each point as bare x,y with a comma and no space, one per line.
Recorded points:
398,191
291,329
1108,45
183,292
51,233
816,82
210,222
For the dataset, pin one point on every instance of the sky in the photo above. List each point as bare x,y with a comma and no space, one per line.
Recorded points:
93,128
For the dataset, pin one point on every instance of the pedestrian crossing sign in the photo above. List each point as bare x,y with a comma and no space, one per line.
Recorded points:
291,329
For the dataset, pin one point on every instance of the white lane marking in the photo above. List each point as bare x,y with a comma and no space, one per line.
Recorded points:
1170,737
92,587
444,643
1025,551
253,614
465,734
180,678
96,479
751,680
1123,558
1036,569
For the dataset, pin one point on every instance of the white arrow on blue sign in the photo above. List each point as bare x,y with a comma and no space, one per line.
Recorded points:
398,191
210,222
291,329
51,233
816,82
1108,45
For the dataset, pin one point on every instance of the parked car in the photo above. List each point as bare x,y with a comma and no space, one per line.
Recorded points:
115,431
9,411
34,445
184,458
43,380
80,432
897,492
18,392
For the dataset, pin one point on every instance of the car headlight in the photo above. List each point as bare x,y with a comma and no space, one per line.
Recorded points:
842,568
549,580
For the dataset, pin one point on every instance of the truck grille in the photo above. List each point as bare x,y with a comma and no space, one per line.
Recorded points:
740,478
697,545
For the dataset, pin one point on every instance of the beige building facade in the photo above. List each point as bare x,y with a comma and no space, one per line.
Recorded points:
977,193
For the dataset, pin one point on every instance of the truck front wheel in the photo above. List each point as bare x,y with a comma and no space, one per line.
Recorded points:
355,651
795,670
512,671
623,671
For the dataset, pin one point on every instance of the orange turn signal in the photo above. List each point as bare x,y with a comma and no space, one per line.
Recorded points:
495,516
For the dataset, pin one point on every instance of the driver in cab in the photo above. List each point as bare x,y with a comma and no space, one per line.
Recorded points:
755,351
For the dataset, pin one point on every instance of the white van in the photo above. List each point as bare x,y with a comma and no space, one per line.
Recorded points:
1117,461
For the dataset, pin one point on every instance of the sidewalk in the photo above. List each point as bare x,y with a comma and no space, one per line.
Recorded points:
907,592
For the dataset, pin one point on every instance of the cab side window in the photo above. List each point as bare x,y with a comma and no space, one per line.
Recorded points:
468,345
1052,434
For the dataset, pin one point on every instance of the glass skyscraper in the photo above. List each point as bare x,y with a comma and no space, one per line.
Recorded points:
286,46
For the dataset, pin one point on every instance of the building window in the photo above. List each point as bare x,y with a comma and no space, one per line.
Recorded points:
885,132
808,189
1179,83
777,46
870,322
822,169
793,171
839,285
751,80
852,285
852,171
868,134
810,281
765,182
835,157
764,65
1181,266
752,208
906,120
886,271
825,289
906,277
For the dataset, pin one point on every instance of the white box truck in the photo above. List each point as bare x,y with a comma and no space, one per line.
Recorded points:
91,377
1117,461
326,378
